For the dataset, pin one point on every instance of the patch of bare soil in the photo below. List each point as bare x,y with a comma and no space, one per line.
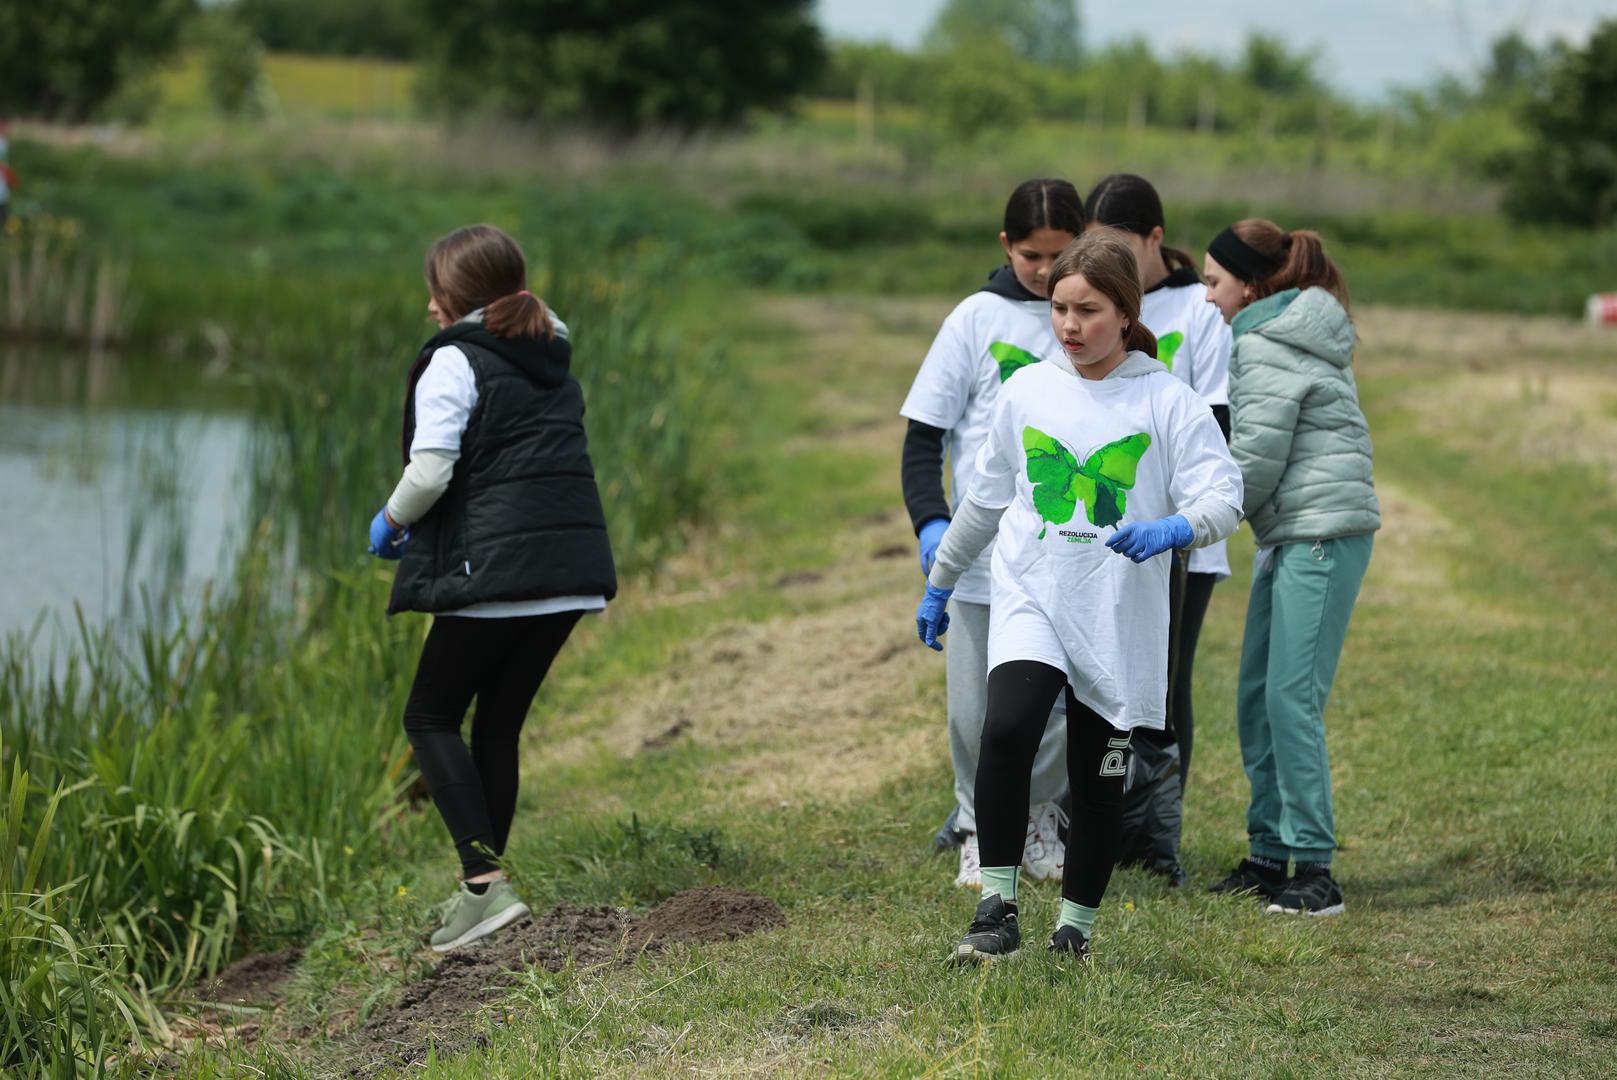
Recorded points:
443,1010
252,980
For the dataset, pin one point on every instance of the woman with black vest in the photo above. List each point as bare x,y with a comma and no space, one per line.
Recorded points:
498,529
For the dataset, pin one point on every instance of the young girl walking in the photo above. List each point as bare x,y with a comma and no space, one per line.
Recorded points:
989,337
1303,446
1193,342
1095,453
499,532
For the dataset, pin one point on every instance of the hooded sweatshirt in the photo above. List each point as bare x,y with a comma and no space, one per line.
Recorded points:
1067,462
1298,433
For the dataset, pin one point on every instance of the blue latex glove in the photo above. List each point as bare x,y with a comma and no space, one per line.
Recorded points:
931,621
931,535
1140,540
387,539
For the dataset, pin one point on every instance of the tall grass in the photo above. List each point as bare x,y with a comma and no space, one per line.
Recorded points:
222,769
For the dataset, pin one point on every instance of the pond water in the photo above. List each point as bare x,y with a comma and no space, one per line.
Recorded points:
122,482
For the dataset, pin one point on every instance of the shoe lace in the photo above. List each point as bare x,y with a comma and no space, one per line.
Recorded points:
1049,824
979,923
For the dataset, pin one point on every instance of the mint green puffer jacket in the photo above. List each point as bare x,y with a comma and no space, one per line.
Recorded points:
1297,431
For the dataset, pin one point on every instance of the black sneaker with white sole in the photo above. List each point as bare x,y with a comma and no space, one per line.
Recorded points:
1251,878
1069,943
1313,892
993,935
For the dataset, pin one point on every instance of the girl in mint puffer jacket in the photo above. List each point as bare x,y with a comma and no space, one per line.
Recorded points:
1303,447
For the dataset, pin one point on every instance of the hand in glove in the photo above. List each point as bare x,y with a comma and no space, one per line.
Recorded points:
931,535
387,539
1140,540
931,621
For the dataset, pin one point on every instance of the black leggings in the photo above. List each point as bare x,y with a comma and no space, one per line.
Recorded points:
1021,694
1198,592
501,663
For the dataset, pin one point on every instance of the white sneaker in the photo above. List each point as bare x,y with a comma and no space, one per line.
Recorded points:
1045,856
971,864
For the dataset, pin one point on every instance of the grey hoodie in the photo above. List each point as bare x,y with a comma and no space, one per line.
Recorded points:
1297,431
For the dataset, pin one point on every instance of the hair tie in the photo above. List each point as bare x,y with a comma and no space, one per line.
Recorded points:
525,292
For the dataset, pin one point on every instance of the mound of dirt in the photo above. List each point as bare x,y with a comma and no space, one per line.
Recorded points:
252,980
710,914
441,1010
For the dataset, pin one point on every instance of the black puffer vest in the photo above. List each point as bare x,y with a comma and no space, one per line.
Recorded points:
522,518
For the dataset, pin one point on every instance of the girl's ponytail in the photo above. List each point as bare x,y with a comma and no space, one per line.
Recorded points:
480,267
518,315
1140,339
1299,258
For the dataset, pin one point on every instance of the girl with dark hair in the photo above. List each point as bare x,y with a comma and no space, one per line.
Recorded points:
1096,452
988,338
1194,344
499,532
1303,446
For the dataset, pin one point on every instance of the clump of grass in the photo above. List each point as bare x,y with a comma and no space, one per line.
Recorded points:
51,289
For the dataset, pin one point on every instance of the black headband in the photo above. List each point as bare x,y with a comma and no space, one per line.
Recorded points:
1240,259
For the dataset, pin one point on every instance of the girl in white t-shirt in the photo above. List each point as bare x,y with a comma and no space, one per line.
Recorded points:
987,338
1092,454
1193,342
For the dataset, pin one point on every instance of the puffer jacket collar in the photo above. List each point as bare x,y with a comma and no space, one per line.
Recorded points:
1310,320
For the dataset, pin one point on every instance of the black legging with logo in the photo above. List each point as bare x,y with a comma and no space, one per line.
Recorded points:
501,663
1021,694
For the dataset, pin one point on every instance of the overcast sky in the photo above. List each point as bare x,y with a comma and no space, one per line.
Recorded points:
1367,46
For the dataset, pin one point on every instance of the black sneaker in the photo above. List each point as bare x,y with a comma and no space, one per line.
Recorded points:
1249,877
1069,944
1313,892
949,835
993,935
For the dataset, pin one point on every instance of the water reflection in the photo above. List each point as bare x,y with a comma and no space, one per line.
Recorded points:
123,485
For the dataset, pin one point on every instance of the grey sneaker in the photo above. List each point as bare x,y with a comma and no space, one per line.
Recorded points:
467,916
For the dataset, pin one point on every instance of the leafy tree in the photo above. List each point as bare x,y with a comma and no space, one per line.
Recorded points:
1569,171
1270,66
626,64
969,96
232,63
64,58
343,27
1043,31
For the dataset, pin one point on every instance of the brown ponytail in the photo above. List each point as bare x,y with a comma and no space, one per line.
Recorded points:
1301,257
479,266
1107,263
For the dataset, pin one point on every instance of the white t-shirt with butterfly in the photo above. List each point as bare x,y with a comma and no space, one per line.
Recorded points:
1194,342
985,340
1069,460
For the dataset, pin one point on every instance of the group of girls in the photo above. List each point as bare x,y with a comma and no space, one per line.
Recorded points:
1105,439
1111,417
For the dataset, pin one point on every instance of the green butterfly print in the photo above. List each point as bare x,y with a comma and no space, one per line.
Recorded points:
1060,483
1168,347
1011,359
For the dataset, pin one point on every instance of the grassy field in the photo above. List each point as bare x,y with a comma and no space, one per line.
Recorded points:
754,711
764,719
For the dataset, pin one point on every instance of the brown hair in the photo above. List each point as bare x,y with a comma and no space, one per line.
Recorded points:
479,266
1106,261
1128,202
1301,255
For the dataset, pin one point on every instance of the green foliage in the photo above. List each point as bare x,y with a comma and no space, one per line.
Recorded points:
351,28
1568,172
1042,31
1273,68
66,58
64,1005
969,95
232,63
689,64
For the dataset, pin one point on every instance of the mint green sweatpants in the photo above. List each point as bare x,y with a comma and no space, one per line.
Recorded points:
1296,622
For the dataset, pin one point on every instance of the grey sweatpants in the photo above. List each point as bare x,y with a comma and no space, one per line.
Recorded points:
966,646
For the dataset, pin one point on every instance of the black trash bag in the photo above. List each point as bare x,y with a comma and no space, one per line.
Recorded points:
1153,798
